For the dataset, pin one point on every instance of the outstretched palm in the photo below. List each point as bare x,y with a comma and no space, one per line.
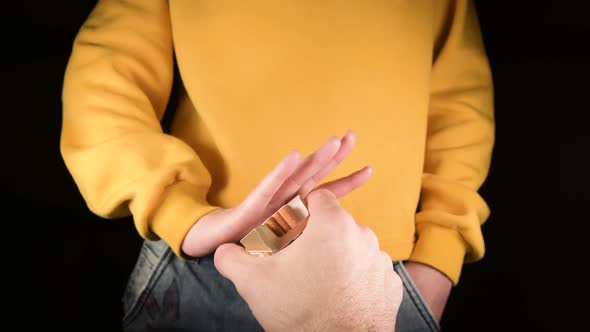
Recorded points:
289,178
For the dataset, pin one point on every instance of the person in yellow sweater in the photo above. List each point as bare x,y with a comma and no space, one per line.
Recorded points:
257,80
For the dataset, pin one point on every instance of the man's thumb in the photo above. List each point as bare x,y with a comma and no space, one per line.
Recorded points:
322,202
233,262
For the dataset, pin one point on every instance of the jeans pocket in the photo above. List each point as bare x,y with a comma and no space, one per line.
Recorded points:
417,301
149,265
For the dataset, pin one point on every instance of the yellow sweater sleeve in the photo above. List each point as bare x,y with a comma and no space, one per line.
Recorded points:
459,144
116,87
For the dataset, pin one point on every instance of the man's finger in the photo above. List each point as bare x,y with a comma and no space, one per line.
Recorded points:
307,168
325,211
349,183
233,262
322,203
266,190
346,145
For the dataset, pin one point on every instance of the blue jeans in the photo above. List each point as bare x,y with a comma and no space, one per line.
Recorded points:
165,293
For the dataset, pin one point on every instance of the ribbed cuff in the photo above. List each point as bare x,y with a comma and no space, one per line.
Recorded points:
183,204
439,247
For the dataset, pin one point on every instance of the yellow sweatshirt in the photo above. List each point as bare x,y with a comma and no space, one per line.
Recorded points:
260,78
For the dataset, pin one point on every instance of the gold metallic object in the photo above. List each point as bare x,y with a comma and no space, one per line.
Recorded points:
278,231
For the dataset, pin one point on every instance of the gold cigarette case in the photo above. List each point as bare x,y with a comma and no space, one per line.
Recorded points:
278,231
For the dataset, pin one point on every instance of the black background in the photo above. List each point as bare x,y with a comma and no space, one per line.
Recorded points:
67,268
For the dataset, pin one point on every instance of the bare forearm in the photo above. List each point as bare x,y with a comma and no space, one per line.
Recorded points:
433,285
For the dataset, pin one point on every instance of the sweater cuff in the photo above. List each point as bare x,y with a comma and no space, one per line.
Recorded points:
182,205
441,248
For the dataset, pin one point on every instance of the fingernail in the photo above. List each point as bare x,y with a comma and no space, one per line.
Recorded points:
332,141
290,157
350,135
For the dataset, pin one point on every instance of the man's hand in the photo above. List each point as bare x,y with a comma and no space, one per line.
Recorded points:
289,178
434,286
332,278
